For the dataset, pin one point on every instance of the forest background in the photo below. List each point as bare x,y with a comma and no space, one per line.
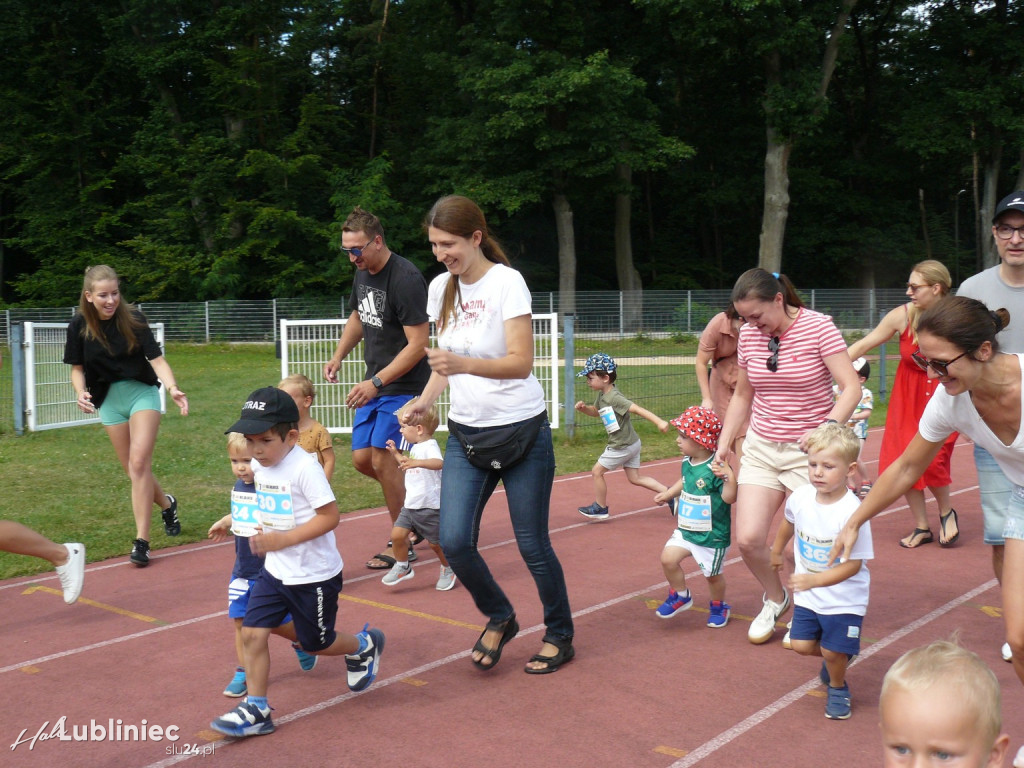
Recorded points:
210,149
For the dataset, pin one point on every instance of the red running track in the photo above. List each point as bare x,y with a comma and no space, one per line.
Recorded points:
154,646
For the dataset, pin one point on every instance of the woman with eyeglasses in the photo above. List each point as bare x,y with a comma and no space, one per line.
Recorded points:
788,356
980,397
911,391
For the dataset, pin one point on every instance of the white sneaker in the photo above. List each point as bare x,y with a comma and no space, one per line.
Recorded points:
763,626
446,580
1007,653
1018,761
785,638
72,573
399,572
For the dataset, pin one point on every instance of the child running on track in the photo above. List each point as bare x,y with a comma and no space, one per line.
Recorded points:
302,571
247,565
705,492
830,603
623,450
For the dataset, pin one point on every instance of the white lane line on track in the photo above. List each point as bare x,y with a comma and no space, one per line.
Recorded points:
719,741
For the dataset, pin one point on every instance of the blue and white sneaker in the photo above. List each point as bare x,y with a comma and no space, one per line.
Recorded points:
244,720
306,660
672,506
595,512
837,705
718,614
237,687
364,665
674,603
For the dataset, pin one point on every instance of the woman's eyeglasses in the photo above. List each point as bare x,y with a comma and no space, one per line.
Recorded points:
940,367
772,363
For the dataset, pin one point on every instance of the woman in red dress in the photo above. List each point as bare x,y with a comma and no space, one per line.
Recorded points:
911,391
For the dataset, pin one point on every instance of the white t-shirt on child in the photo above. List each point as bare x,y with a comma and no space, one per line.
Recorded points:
423,486
298,484
816,526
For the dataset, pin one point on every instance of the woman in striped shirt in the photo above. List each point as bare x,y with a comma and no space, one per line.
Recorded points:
788,356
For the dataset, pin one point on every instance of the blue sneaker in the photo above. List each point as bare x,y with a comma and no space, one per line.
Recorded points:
837,705
718,614
672,506
595,512
237,688
674,603
364,665
306,660
244,720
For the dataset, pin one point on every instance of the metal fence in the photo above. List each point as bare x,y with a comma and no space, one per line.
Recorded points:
597,312
307,345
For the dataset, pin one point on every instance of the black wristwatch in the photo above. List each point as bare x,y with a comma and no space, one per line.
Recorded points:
377,382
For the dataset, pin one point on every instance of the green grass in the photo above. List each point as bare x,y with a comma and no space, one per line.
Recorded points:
68,485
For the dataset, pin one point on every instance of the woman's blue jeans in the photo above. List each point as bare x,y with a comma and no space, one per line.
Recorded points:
465,490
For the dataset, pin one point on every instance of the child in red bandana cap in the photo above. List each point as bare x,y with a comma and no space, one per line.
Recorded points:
705,491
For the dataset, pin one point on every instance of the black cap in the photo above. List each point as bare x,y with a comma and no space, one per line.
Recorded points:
1012,202
265,408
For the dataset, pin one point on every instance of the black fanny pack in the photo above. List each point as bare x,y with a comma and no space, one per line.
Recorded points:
499,447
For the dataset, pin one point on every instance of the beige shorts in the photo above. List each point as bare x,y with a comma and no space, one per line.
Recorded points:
780,466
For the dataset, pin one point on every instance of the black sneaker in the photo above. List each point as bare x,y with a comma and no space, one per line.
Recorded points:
171,525
140,553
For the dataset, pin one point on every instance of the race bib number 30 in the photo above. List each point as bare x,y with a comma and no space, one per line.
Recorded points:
694,512
274,501
244,518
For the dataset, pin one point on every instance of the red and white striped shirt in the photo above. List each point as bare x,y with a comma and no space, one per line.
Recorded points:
798,396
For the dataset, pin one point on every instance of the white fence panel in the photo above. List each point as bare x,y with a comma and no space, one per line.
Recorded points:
307,345
50,401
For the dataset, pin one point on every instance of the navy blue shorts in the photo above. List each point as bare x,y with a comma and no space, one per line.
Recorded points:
313,607
839,633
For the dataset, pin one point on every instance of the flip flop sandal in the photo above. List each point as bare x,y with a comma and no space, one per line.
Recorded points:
943,519
564,656
926,538
508,630
387,560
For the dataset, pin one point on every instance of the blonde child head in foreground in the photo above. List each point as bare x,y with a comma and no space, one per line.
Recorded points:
940,705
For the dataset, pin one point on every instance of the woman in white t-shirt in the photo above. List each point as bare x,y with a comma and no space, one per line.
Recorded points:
980,397
788,356
482,309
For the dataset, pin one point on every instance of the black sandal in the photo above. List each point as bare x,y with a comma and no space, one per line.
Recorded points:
926,538
564,656
943,519
508,629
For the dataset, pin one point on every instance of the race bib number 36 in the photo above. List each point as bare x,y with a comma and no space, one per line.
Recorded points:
275,505
694,512
813,552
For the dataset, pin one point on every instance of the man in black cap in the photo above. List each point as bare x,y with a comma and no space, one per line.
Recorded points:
1001,286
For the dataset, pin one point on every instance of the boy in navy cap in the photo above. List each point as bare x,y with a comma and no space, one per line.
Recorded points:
623,450
302,570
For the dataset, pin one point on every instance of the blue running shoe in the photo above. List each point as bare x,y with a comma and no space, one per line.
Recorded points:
595,512
244,720
306,660
237,687
674,604
837,705
718,614
364,665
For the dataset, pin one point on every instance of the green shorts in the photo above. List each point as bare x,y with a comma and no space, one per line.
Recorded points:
128,397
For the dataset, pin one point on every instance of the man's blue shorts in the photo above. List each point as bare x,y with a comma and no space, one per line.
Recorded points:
375,423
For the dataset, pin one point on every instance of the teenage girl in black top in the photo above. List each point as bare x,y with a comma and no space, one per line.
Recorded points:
116,366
